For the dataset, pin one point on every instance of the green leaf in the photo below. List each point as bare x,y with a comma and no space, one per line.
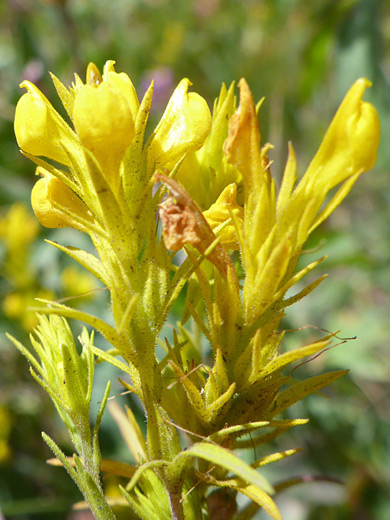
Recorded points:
141,470
300,390
225,459
269,278
297,277
257,495
93,493
102,354
26,353
95,433
61,457
88,261
285,359
193,394
280,427
261,498
128,314
142,506
308,289
239,429
274,457
216,407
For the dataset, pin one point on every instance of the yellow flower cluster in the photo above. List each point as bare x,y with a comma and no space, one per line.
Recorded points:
106,116
98,175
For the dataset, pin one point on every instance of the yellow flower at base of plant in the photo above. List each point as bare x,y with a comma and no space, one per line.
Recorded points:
18,228
76,282
54,204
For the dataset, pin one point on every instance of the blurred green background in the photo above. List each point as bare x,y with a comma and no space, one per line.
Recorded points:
302,56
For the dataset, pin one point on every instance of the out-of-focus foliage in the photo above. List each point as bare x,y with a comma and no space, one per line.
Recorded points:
302,56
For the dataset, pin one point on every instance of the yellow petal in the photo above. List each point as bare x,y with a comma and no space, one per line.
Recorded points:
39,129
348,149
103,121
183,128
47,194
351,142
205,173
122,82
220,212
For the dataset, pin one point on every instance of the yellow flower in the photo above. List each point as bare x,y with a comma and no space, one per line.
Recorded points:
39,129
219,215
275,229
351,142
205,173
348,149
54,204
183,128
104,111
108,123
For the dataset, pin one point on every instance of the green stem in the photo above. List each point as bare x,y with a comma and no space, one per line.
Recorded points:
176,506
82,439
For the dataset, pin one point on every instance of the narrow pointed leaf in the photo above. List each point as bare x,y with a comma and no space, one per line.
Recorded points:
225,459
102,354
216,407
261,498
90,262
300,390
293,355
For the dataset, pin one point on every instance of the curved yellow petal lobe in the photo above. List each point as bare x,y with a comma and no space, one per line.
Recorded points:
220,214
48,196
39,129
351,142
103,120
183,128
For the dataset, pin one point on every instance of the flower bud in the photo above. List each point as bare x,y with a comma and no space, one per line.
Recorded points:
49,193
